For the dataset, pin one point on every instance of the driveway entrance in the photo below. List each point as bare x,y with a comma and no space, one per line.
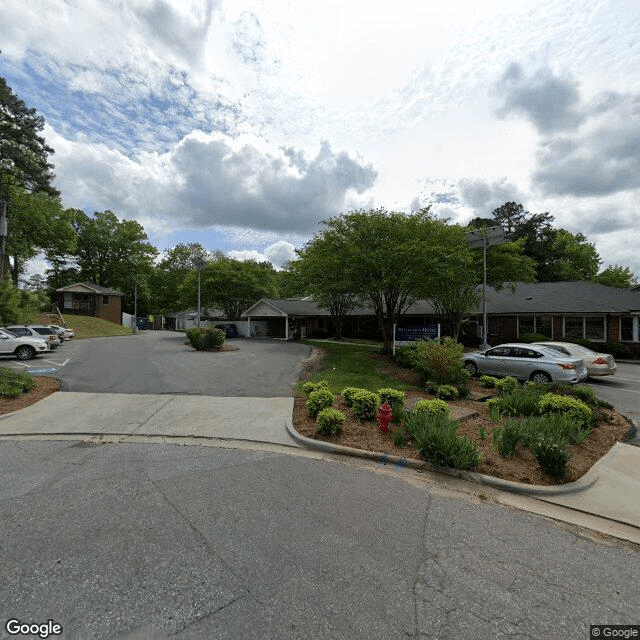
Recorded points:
159,362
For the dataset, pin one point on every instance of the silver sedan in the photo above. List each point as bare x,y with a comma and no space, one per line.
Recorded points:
597,364
526,362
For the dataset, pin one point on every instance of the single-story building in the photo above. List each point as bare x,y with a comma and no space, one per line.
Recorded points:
85,299
556,309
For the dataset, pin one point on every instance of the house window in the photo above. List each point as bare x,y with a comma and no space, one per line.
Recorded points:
630,329
525,325
543,326
589,327
574,327
105,299
594,329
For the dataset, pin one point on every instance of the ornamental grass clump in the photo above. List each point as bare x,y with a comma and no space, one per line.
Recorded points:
507,438
552,456
437,441
522,401
330,422
15,383
318,400
364,404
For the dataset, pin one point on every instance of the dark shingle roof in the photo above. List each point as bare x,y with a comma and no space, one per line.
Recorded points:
562,297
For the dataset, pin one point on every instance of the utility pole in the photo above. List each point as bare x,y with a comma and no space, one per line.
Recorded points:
484,238
3,236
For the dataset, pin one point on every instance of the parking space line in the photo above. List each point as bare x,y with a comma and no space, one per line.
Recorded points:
58,364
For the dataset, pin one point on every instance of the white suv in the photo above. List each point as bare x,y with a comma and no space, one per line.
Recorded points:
36,331
23,347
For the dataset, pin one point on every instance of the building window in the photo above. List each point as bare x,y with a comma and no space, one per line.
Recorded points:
574,327
105,299
589,327
630,329
594,329
543,326
525,325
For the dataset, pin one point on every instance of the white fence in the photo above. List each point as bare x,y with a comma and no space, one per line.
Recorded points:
127,320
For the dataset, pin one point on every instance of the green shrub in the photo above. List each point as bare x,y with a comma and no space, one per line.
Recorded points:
533,337
399,437
552,456
440,361
205,338
394,397
488,382
364,404
308,387
507,385
446,392
432,406
615,349
348,392
507,438
318,400
579,411
330,422
15,383
436,440
560,427
405,356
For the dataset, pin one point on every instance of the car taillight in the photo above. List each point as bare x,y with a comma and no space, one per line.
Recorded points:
599,361
568,366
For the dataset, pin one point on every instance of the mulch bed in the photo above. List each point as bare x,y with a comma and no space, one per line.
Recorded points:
522,467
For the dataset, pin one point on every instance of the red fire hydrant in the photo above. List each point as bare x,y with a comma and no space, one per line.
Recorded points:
385,415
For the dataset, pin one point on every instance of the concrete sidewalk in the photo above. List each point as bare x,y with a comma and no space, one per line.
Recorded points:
611,488
70,413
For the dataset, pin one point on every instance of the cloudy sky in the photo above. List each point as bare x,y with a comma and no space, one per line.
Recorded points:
241,124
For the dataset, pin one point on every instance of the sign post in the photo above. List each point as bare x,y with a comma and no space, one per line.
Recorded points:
407,335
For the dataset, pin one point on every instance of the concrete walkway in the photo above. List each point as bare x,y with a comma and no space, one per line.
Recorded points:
611,488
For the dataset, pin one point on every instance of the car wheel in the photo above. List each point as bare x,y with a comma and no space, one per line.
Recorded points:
471,367
540,377
25,352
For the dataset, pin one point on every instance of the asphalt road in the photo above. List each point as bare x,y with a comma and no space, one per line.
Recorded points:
160,362
622,390
162,541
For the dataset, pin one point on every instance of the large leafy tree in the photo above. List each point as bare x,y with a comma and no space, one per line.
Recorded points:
387,259
617,276
322,268
38,224
24,160
558,254
171,271
230,285
109,252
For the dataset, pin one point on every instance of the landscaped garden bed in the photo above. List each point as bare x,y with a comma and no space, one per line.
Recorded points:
521,467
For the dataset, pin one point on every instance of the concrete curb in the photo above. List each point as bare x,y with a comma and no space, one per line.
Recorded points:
478,478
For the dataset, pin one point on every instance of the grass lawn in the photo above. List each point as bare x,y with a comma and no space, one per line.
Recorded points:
349,365
87,327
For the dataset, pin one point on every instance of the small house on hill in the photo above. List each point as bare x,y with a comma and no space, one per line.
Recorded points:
86,299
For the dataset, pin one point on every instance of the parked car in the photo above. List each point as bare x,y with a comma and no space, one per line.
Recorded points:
597,364
23,347
63,332
37,331
526,362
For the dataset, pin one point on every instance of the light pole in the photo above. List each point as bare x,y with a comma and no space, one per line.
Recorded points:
198,263
484,238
